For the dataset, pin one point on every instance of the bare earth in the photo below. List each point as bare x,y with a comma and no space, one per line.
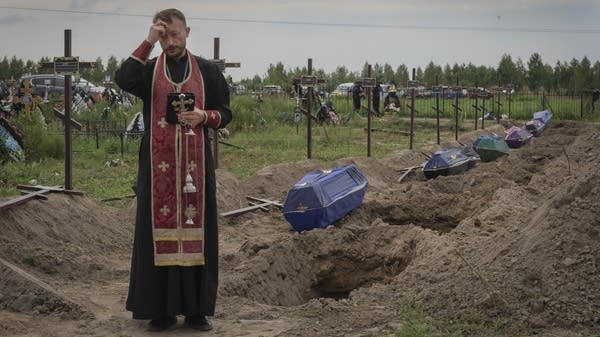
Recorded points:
513,242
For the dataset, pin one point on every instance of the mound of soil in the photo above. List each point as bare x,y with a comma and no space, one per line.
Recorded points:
511,247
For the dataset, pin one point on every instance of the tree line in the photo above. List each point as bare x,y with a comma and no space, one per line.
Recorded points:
14,68
534,75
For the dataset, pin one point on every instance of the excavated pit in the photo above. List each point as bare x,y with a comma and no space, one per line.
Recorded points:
329,263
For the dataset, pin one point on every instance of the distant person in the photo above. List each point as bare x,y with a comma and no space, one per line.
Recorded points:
174,267
376,92
356,96
595,97
391,101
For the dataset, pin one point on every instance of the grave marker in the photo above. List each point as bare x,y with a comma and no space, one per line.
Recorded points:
223,65
413,86
309,81
369,82
67,66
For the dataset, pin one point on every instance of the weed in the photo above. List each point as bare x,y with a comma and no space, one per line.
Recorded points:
31,260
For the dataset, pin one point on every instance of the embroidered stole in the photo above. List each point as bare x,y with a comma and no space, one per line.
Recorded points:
177,241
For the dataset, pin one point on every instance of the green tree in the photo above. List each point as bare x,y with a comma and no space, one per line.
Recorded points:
507,72
573,70
596,75
536,72
448,77
95,75
522,73
365,70
111,67
469,76
583,74
564,75
377,71
456,75
419,74
276,74
256,83
388,73
401,75
431,73
340,75
30,67
17,67
39,69
548,80
4,69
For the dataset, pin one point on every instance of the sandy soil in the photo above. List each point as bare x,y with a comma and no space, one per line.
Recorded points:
512,243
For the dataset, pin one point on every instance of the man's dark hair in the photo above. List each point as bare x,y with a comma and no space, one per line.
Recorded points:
166,15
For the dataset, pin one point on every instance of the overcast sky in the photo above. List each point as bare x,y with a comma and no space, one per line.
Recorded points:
333,33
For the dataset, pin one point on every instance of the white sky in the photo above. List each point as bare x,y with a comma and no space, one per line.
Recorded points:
410,32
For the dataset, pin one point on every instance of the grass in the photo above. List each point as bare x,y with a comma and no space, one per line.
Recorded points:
416,323
276,143
277,140
284,143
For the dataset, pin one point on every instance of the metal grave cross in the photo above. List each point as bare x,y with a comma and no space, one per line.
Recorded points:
68,65
369,83
222,66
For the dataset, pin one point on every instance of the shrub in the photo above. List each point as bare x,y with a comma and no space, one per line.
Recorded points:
38,139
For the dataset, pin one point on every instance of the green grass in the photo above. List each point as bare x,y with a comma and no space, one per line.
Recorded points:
277,140
281,143
470,323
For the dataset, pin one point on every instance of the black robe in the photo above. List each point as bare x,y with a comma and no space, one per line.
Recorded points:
159,291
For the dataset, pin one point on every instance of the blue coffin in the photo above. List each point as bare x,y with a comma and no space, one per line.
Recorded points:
448,162
535,126
517,137
490,147
322,197
543,116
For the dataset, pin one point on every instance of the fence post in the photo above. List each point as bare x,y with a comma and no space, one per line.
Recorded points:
121,136
97,136
581,105
543,100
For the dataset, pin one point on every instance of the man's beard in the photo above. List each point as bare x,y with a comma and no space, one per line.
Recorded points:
175,52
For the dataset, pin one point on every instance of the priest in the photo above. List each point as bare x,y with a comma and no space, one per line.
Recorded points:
174,270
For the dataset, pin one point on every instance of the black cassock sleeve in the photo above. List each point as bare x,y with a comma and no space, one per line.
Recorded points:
133,77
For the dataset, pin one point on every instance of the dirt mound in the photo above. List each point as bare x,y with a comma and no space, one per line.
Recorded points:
511,246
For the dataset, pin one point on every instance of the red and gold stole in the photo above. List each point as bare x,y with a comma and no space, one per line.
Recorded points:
173,155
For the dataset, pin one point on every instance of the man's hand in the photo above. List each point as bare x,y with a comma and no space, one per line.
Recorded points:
157,30
193,118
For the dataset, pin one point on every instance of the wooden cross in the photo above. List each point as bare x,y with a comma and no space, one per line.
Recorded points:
60,115
256,203
437,89
29,192
457,91
482,106
26,98
309,81
500,105
222,66
67,66
476,92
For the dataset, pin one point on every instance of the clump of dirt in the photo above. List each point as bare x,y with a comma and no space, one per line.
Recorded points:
511,246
